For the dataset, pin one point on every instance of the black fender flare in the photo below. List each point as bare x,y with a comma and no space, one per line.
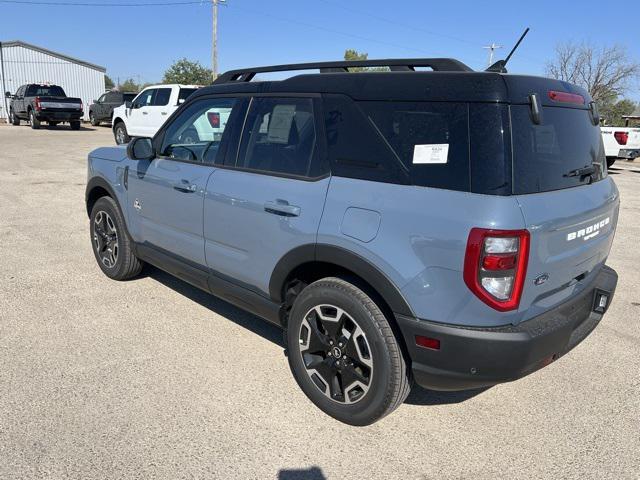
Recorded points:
99,182
340,257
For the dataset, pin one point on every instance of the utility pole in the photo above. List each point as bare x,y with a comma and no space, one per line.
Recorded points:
492,48
214,47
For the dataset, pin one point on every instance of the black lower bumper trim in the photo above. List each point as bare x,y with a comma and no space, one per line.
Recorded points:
480,357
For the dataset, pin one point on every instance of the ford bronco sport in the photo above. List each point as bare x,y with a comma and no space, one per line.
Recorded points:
447,227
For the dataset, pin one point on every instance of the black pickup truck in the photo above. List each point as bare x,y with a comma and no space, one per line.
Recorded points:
44,103
101,110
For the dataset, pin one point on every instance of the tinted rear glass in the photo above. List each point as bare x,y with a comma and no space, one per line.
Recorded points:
430,138
45,91
545,155
184,93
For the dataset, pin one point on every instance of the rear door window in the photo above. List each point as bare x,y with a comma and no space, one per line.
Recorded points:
162,97
547,156
430,138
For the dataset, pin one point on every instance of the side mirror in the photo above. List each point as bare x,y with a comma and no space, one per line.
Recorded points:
135,105
8,94
141,148
128,104
96,101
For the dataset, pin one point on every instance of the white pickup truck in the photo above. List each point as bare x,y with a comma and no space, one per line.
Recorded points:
145,114
620,142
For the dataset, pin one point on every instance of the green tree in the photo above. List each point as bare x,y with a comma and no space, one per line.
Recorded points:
187,72
612,112
108,83
129,85
351,54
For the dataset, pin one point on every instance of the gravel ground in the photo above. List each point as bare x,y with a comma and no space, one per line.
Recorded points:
152,378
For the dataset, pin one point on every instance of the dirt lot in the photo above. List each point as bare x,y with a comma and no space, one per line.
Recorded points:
152,378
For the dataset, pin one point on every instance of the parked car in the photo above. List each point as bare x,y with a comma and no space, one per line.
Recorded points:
620,142
148,111
101,110
39,103
399,226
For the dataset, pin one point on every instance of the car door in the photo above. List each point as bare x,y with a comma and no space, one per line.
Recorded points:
159,109
99,107
20,109
166,194
138,124
268,198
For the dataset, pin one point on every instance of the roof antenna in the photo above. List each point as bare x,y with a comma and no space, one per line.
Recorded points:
500,65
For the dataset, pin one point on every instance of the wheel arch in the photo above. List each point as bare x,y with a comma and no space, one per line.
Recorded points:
96,188
316,261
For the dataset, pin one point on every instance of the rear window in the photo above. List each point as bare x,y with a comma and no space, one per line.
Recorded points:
546,156
45,91
184,93
430,138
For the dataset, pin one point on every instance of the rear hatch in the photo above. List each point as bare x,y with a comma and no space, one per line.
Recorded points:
568,202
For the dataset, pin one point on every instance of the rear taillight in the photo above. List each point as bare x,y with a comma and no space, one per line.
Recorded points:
565,97
495,266
36,103
621,137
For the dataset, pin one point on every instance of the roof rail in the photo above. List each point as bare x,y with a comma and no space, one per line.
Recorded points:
410,64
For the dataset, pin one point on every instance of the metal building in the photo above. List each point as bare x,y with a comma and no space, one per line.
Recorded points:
21,63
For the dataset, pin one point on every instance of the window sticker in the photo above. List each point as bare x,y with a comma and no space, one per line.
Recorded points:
280,123
436,153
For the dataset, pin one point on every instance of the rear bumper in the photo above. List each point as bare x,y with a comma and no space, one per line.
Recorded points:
59,116
630,153
480,357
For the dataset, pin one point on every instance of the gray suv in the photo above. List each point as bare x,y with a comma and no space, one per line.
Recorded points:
447,227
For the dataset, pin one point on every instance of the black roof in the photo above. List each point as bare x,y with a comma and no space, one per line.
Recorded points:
449,80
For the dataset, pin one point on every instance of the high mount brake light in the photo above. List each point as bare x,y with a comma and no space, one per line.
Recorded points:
621,137
495,266
565,97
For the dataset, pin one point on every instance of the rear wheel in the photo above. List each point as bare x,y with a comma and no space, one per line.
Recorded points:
75,125
610,161
92,118
35,123
343,353
120,133
13,119
111,245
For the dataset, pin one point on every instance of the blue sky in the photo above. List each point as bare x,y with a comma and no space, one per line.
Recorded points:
141,42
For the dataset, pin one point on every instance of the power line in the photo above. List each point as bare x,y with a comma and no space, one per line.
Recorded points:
103,4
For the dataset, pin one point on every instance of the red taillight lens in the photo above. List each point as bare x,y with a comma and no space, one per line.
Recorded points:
621,137
495,266
428,342
214,119
36,103
565,97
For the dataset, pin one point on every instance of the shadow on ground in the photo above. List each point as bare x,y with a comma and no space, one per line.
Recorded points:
418,395
313,473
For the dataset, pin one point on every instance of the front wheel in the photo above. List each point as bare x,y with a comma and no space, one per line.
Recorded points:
120,134
344,354
111,245
13,119
92,118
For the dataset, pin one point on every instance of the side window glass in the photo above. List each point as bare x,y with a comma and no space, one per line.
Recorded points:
279,136
162,97
112,98
145,98
103,98
196,134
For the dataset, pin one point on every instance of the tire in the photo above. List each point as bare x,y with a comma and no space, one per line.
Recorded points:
120,133
13,118
110,241
371,355
610,161
190,136
93,120
75,125
35,123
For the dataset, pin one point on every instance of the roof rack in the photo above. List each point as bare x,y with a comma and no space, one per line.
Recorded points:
395,65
